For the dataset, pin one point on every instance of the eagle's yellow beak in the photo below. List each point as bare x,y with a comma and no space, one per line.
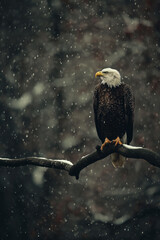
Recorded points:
98,74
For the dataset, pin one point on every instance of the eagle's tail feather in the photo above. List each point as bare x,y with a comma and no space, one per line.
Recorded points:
117,160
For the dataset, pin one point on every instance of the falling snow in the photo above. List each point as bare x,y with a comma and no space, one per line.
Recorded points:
49,53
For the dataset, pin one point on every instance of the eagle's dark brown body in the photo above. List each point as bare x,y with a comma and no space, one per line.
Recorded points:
114,110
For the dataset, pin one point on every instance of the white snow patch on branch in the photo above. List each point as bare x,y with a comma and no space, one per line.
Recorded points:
131,147
64,161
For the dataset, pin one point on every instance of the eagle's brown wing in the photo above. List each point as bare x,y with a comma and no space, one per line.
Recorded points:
95,107
129,102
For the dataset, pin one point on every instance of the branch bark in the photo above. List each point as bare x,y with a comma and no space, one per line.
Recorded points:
74,169
37,161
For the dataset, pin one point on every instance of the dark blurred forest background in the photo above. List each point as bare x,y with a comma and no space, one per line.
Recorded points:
49,53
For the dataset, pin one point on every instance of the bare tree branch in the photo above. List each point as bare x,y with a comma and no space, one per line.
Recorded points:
124,149
37,161
74,169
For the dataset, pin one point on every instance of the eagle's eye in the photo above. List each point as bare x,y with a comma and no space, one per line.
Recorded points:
104,72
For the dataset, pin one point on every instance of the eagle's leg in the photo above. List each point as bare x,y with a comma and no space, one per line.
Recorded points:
117,141
105,142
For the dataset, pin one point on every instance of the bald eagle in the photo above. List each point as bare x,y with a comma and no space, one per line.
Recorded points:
113,111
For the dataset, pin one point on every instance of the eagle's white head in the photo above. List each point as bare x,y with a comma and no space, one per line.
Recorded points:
109,76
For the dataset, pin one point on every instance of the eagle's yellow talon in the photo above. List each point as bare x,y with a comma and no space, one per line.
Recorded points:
105,142
117,141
